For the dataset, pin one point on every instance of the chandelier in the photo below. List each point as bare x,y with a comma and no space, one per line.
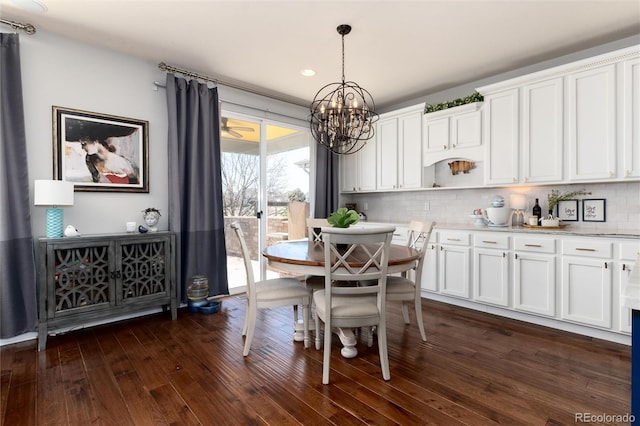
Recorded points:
343,114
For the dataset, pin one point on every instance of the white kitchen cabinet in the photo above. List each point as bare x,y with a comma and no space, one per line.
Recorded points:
502,136
491,268
452,133
429,279
358,171
387,148
591,124
541,154
628,253
630,118
410,150
534,275
348,172
399,153
587,282
453,263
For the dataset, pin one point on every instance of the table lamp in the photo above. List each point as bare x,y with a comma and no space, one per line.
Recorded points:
53,193
518,203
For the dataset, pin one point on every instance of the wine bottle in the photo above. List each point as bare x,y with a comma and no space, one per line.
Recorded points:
537,211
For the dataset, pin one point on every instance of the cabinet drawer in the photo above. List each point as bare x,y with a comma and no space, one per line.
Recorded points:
588,248
454,238
535,244
491,240
629,251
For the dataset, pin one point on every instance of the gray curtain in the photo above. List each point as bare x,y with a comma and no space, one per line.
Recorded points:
18,297
327,185
195,184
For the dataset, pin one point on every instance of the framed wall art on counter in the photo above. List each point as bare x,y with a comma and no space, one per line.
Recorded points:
568,210
594,210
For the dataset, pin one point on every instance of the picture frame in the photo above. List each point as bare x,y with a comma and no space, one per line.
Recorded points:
100,152
594,210
568,210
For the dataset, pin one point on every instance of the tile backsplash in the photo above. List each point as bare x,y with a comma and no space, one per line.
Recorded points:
454,206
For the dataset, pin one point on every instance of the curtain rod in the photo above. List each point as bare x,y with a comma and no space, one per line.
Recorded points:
163,66
27,28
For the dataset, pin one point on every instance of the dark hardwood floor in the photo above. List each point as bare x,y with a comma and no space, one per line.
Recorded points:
475,369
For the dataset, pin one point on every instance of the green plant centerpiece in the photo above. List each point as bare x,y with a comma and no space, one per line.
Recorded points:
555,197
343,218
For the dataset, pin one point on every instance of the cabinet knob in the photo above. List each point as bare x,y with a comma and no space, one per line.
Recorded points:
444,147
515,180
611,174
454,145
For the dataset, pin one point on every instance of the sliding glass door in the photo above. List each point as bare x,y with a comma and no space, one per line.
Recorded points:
266,182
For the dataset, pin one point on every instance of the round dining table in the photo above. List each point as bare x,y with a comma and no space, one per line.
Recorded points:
305,257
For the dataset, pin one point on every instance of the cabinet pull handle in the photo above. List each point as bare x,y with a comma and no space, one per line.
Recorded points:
441,248
532,245
584,249
489,242
504,254
453,239
605,265
515,256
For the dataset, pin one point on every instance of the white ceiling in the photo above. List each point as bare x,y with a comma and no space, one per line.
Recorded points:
397,50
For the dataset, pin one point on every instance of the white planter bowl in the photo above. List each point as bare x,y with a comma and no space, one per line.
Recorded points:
550,222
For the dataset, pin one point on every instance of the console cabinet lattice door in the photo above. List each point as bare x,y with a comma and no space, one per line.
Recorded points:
87,279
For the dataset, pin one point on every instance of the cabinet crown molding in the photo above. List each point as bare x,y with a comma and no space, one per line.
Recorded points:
562,70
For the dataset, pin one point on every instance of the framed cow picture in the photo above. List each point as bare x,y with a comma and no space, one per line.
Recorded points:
100,152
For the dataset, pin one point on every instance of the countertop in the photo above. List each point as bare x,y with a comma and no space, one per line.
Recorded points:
569,229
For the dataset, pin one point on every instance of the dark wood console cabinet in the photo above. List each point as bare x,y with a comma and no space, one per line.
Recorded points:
91,278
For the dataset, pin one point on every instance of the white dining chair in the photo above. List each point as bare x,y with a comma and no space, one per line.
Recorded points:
353,306
314,233
406,288
270,293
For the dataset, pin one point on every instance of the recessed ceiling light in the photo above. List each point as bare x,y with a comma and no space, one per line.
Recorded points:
30,5
308,72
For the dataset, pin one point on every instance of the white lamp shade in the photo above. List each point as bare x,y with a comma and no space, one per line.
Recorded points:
53,193
518,201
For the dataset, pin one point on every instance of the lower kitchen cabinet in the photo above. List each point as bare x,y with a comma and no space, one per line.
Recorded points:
453,264
561,280
87,279
586,282
491,268
628,253
534,275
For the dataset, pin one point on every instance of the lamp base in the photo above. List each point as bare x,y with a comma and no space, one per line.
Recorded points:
55,222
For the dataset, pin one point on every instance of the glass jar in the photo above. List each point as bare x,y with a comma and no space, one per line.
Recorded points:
198,287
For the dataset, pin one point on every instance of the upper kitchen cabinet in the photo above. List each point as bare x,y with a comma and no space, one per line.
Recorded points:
358,171
577,122
542,131
399,152
630,97
591,124
452,133
524,133
502,133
